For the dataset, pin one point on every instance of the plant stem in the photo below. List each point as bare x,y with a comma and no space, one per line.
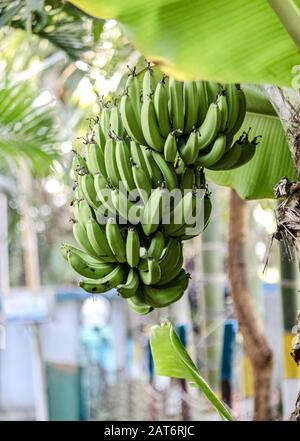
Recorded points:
289,15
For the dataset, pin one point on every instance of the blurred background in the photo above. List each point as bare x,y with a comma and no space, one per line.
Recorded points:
65,355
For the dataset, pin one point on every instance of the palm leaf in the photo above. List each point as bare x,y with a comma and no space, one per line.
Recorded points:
26,129
172,360
218,40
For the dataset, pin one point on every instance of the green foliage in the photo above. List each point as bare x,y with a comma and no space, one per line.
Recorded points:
26,129
172,360
217,40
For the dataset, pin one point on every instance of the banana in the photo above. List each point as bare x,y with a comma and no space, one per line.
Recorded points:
171,255
103,192
202,224
115,122
176,106
191,106
223,106
153,212
131,286
229,159
104,120
170,147
138,305
142,183
153,273
161,99
215,154
152,168
213,90
84,269
129,211
99,135
202,100
131,120
95,159
189,150
233,105
181,214
86,183
82,212
133,248
111,162
159,297
167,170
78,166
98,241
241,112
111,280
115,240
138,158
81,238
172,272
157,245
150,126
149,82
91,261
188,179
210,126
133,90
124,161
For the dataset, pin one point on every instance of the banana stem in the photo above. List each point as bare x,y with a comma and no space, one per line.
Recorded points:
289,15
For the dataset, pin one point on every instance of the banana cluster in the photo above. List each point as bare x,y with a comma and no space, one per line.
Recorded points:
156,140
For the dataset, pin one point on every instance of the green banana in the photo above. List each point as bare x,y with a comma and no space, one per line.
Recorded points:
241,112
128,210
167,170
223,106
160,297
86,183
149,82
91,261
188,179
182,233
157,245
98,241
138,157
170,147
202,99
78,166
176,105
181,214
216,153
84,269
191,106
99,135
95,159
103,192
213,90
110,281
115,122
153,212
170,256
131,120
154,172
115,240
82,212
172,272
233,105
104,120
138,305
210,126
229,159
153,273
111,162
81,238
142,183
133,248
161,99
131,286
133,90
150,126
189,150
123,157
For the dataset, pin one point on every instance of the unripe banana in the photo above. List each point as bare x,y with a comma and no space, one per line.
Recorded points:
188,179
115,240
91,261
149,82
81,238
233,105
133,90
138,305
202,99
138,157
128,210
111,162
241,112
189,150
213,90
124,163
131,120
111,280
170,148
115,122
168,172
223,106
161,99
172,272
210,126
84,269
216,153
150,126
82,212
142,183
98,241
176,106
191,106
131,286
229,159
154,172
104,120
95,159
157,245
133,248
153,273
153,212
103,192
182,212
78,166
171,255
86,183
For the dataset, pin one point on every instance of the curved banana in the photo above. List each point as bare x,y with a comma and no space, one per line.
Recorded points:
149,82
217,151
154,172
111,280
188,179
157,245
150,126
229,159
161,99
168,172
223,106
86,183
84,269
132,248
82,212
79,166
104,120
153,212
111,162
210,126
138,305
91,261
182,213
202,99
171,255
189,150
128,210
241,112
176,106
191,106
153,273
142,183
81,238
131,286
98,241
170,147
213,90
115,122
103,192
95,159
123,157
131,120
133,90
115,240
172,272
233,105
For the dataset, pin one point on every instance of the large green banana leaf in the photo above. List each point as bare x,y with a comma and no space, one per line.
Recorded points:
272,160
218,40
172,360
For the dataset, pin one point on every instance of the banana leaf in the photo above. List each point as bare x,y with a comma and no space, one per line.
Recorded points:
171,359
218,40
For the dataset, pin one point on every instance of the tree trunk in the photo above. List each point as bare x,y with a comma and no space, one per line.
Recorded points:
255,343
